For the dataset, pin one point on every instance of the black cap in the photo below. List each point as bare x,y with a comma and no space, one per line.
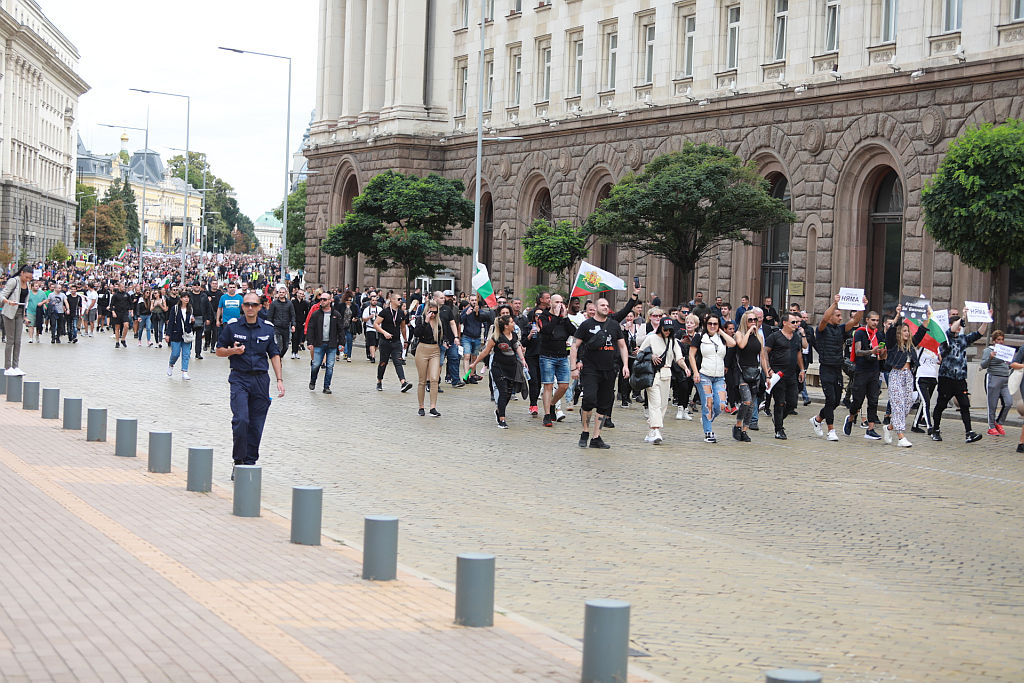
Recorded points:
667,324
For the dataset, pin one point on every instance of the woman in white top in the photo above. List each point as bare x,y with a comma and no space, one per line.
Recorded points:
665,352
712,343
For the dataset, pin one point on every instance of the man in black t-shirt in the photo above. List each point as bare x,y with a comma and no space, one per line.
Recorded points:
390,325
74,308
597,349
782,356
554,329
867,354
830,341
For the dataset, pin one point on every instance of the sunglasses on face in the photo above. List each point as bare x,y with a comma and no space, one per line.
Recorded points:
251,304
324,300
710,323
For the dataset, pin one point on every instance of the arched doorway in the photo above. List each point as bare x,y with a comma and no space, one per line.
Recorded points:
885,242
541,210
775,247
486,254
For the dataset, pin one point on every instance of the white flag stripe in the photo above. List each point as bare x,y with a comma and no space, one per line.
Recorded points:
612,281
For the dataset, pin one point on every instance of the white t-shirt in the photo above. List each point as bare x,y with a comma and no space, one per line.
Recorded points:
90,300
929,365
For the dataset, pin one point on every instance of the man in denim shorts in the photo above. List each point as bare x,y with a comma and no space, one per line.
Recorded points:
554,328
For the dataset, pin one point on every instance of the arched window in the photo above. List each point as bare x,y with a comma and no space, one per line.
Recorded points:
775,249
885,235
486,255
541,209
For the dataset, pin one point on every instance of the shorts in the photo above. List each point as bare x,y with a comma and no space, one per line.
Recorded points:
598,390
371,338
471,347
554,369
90,316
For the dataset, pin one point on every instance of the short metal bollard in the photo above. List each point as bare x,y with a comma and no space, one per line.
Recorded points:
605,641
51,403
200,469
126,437
791,676
307,514
380,548
159,452
13,389
474,589
3,383
72,413
248,480
96,424
30,396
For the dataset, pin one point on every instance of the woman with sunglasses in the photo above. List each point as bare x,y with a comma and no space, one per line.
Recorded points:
711,342
748,368
428,357
665,353
508,359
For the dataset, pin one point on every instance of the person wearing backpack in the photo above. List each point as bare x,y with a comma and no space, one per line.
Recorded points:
600,338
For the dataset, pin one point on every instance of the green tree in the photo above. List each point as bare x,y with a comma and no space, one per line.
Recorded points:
108,222
403,221
58,252
225,216
555,247
113,192
296,226
974,204
131,214
86,198
685,204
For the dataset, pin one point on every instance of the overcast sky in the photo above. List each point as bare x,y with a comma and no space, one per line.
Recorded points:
238,101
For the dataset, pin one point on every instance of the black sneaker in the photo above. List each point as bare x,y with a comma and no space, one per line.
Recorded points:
406,387
807,402
608,424
746,437
917,430
936,436
421,412
753,427
598,442
379,387
709,437
971,437
847,425
440,390
872,435
864,424
1020,448
625,403
124,345
312,386
434,413
327,390
781,434
584,438
548,421
737,433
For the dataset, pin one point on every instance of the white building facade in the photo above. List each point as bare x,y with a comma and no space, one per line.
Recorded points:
845,106
40,92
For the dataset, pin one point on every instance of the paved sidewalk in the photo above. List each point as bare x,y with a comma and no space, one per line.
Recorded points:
108,572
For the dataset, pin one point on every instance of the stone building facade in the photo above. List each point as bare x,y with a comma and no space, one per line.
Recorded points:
37,131
845,119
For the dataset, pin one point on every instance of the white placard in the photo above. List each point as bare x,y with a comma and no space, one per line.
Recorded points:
1003,352
942,318
977,312
851,299
37,274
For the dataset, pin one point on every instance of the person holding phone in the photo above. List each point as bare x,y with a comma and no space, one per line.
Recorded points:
428,356
14,298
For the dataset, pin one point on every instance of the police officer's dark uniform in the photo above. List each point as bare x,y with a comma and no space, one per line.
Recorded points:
250,384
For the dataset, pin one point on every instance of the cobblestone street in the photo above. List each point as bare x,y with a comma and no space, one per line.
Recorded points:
858,560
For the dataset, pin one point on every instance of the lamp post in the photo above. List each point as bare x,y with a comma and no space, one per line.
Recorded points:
202,208
78,209
188,118
145,183
287,147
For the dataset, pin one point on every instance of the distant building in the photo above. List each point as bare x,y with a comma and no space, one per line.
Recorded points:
165,194
37,130
268,231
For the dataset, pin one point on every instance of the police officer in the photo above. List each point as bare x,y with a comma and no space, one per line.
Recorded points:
249,342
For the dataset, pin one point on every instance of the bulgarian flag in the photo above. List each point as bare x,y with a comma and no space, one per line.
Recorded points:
593,280
482,285
932,338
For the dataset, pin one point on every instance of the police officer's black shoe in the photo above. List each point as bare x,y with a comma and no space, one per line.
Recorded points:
312,386
327,390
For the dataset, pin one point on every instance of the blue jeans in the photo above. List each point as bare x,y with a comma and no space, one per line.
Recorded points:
183,349
452,360
712,396
320,354
348,343
145,323
72,327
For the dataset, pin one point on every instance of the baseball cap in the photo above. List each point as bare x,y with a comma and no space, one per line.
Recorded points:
449,292
667,323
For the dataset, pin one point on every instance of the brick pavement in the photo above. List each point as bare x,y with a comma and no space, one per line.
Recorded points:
858,560
109,572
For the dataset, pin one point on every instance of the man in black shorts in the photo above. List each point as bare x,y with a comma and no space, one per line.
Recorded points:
391,325
597,349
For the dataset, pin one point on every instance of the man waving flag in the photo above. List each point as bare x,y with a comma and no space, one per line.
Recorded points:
482,285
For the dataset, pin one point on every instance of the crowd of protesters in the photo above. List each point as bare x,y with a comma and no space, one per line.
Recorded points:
556,356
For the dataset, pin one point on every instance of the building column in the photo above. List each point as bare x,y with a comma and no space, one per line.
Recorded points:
334,60
355,61
321,66
409,69
376,60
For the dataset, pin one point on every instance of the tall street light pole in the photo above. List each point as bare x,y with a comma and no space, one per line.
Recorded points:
479,141
188,119
287,150
145,183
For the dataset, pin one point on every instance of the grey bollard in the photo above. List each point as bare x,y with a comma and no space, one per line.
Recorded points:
72,413
307,514
200,469
160,452
380,548
3,382
96,424
14,389
791,676
126,437
51,403
30,396
605,641
248,480
474,589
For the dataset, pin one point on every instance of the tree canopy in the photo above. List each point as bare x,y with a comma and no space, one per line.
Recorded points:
555,247
685,204
58,252
223,216
123,193
296,225
108,222
403,221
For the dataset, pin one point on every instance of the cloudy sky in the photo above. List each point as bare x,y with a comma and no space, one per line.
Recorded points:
238,101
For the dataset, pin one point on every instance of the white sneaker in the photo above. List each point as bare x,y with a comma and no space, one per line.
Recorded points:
817,427
679,412
903,443
170,370
184,375
559,415
832,436
657,437
650,436
886,434
687,415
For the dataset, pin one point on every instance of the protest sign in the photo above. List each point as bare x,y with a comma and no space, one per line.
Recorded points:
1003,352
914,307
942,318
977,312
37,274
851,299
